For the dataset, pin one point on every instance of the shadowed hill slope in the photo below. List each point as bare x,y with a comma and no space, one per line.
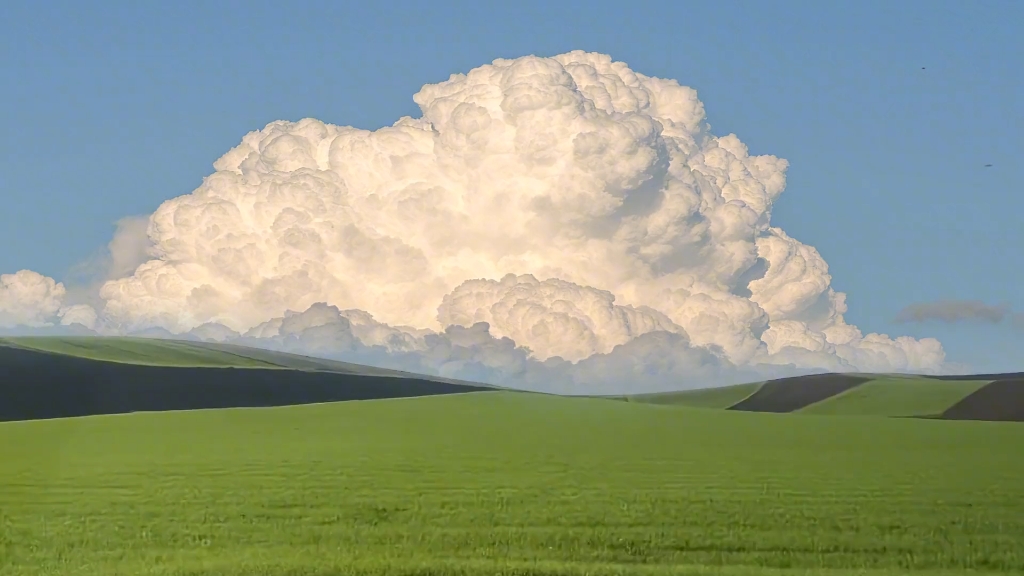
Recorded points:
998,397
41,385
897,397
166,352
791,394
42,377
1002,400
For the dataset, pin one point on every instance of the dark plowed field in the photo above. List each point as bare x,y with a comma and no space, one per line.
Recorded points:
1000,401
790,394
36,385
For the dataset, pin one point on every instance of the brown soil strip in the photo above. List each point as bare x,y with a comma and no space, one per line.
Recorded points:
1000,401
791,394
38,385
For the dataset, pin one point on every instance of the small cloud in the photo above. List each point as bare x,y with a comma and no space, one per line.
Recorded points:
954,311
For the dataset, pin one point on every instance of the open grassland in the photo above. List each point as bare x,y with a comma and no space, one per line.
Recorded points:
897,397
508,484
721,398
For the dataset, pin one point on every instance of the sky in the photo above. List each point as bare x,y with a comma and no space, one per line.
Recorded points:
886,112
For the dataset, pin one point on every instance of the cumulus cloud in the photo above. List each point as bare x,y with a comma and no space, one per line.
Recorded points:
556,317
654,361
952,311
28,298
81,314
545,217
129,248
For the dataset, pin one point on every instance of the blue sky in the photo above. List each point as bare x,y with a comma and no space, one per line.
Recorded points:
112,107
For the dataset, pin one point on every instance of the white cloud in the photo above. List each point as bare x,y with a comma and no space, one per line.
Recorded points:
553,317
29,298
82,314
578,208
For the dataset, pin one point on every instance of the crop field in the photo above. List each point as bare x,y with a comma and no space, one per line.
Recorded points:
722,398
897,397
991,397
506,483
503,483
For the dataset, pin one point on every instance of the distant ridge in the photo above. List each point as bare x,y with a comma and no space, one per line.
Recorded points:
988,397
44,377
37,384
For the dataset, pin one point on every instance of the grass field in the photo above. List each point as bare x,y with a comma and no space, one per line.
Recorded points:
720,398
506,483
486,482
995,397
897,397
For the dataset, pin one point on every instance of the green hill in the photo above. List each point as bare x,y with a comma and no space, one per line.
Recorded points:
986,397
507,484
182,353
152,352
64,377
721,397
490,482
897,397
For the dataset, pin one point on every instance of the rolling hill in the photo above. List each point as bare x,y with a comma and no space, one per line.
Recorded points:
991,397
159,352
469,480
80,376
63,377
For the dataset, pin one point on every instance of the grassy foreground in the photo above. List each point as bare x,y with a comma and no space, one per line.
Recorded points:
507,484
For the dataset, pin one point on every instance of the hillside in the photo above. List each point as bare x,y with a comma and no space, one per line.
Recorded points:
62,377
80,376
993,397
160,352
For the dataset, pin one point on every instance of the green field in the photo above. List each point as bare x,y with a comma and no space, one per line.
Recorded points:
139,351
507,484
160,352
720,398
896,397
